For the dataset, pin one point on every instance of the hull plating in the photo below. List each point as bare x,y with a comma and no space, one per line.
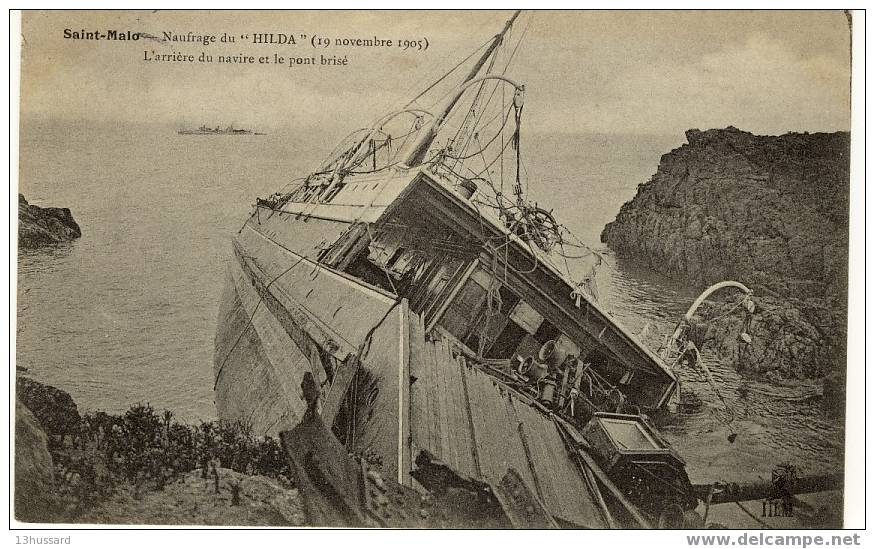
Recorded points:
256,362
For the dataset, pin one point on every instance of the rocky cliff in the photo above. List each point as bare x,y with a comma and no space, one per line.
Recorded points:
43,226
768,211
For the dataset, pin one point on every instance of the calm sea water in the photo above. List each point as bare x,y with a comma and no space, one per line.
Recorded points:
127,313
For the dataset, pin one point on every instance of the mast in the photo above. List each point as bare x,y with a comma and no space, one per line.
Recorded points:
419,150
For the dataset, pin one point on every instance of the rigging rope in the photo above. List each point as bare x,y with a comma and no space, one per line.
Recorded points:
503,72
483,148
446,74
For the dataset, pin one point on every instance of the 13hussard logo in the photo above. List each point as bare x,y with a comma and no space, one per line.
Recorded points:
83,34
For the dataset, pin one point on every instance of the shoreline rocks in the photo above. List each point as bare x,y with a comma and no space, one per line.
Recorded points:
55,410
38,227
141,467
768,211
34,470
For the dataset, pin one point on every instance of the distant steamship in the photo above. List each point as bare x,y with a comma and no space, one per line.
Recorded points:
229,130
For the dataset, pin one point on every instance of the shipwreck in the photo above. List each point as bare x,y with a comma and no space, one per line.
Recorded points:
437,326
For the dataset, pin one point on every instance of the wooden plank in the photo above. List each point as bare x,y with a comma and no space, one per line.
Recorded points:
463,420
440,419
433,417
561,486
404,436
461,438
443,388
573,497
566,491
418,388
552,462
483,419
427,386
563,479
518,437
530,455
513,435
498,443
446,445
496,432
434,409
475,454
458,438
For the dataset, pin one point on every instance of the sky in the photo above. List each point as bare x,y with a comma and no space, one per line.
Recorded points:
617,72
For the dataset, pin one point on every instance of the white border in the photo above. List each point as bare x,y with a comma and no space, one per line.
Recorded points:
856,428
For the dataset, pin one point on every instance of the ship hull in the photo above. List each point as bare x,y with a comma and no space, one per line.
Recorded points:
283,315
411,395
408,394
395,382
256,362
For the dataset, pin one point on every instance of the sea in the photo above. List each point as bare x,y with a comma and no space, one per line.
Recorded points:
127,313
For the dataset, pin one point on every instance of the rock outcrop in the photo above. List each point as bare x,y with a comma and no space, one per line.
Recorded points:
39,227
768,211
54,409
34,473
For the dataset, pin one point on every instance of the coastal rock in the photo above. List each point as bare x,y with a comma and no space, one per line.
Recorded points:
768,211
784,343
55,409
34,477
39,227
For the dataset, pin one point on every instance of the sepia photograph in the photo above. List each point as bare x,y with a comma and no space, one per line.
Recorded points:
436,269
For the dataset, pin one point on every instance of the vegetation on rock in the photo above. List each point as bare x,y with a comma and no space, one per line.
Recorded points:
105,464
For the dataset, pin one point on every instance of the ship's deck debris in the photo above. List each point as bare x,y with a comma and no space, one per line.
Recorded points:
342,490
